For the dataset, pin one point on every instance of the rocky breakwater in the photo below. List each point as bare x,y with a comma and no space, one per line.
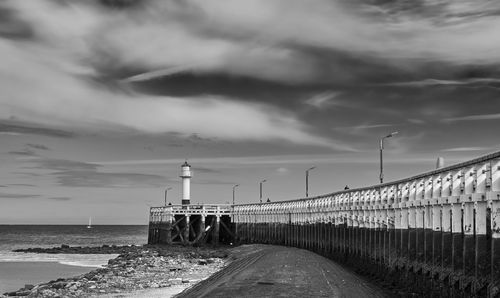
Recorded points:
139,268
66,249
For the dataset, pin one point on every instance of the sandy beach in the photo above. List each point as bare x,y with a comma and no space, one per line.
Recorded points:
138,269
14,275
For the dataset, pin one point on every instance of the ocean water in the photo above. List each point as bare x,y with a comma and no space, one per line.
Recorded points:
25,236
17,268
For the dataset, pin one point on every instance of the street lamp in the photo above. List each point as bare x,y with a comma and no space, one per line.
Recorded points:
381,158
307,180
236,185
261,189
166,190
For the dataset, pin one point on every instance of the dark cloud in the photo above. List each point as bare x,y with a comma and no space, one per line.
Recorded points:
38,146
24,152
112,180
12,27
62,165
213,182
234,86
205,170
17,127
121,3
72,173
62,199
17,196
27,174
28,150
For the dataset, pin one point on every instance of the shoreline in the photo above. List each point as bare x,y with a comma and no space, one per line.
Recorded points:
16,274
137,268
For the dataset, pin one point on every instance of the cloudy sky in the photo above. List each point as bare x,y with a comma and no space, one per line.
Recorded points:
102,101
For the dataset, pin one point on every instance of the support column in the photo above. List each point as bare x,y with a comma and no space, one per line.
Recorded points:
447,240
168,227
186,230
437,233
216,231
469,247
482,250
201,228
457,244
495,248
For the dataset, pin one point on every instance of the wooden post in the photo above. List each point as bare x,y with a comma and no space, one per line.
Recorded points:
186,230
168,227
216,231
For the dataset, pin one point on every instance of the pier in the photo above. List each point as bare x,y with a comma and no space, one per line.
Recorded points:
437,233
191,224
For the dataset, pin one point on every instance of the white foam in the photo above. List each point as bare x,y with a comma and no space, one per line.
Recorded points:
81,260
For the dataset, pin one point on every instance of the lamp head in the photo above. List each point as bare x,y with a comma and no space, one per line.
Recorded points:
392,134
312,168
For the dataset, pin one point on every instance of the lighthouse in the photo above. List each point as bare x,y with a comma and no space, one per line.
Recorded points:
186,183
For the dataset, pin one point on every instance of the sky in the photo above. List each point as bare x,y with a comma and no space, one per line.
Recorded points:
102,101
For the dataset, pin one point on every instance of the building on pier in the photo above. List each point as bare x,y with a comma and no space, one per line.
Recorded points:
190,224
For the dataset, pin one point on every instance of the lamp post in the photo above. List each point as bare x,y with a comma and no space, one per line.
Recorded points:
381,158
166,190
307,180
234,187
261,189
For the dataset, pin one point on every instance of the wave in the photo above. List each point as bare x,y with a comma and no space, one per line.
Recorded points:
80,260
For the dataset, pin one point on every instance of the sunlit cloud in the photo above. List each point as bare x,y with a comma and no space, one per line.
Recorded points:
321,100
465,149
473,118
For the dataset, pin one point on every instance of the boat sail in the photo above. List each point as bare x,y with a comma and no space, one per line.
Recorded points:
90,223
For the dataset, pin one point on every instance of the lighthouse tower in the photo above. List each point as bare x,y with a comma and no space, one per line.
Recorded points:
186,183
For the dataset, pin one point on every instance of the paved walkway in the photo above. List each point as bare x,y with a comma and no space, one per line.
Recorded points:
276,271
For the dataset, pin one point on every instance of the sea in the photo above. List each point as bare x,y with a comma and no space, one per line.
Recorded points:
18,269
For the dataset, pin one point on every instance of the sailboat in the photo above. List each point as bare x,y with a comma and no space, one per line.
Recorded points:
90,223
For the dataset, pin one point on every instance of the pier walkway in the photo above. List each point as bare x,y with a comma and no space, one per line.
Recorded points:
277,271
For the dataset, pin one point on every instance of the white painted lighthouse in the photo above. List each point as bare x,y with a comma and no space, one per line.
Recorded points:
186,183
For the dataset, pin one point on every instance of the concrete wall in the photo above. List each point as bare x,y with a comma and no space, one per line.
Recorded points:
437,233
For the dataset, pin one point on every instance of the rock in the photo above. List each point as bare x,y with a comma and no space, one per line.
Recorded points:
64,246
92,287
175,281
59,285
202,262
29,287
23,293
185,281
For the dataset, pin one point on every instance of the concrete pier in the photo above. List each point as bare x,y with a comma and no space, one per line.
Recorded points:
437,233
434,234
